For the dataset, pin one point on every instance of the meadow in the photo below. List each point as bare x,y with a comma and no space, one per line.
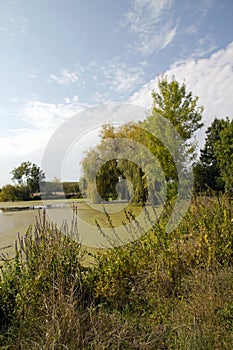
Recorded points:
162,291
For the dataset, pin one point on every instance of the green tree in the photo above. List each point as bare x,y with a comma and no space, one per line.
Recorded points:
21,173
8,193
125,168
181,111
14,193
224,154
28,174
71,189
207,174
179,107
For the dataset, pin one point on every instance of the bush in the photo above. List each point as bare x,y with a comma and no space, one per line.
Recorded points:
14,193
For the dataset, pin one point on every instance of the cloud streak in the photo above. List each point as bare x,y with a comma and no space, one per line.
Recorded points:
151,22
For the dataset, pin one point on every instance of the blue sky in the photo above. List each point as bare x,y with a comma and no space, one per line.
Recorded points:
60,57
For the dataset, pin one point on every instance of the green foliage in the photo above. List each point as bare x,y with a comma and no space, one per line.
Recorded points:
8,193
30,175
14,193
224,154
71,189
172,142
207,171
106,180
179,107
163,291
173,104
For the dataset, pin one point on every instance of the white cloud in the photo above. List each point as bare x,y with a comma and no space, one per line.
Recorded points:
66,77
67,100
121,77
22,142
44,116
151,21
209,78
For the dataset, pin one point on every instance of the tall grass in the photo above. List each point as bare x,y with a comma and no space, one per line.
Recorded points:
163,291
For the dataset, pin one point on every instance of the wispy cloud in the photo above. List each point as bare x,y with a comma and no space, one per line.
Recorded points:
116,77
151,21
122,77
66,77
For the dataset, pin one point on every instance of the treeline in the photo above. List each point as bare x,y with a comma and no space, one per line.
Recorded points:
51,190
29,183
57,189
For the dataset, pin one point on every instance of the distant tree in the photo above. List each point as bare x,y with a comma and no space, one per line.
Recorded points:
21,173
8,193
29,175
36,175
14,193
71,189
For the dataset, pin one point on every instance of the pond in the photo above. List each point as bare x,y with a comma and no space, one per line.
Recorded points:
16,217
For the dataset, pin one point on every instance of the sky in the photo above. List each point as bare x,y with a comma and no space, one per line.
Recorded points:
62,57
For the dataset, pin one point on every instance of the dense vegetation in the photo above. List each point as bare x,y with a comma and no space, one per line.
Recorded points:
164,291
